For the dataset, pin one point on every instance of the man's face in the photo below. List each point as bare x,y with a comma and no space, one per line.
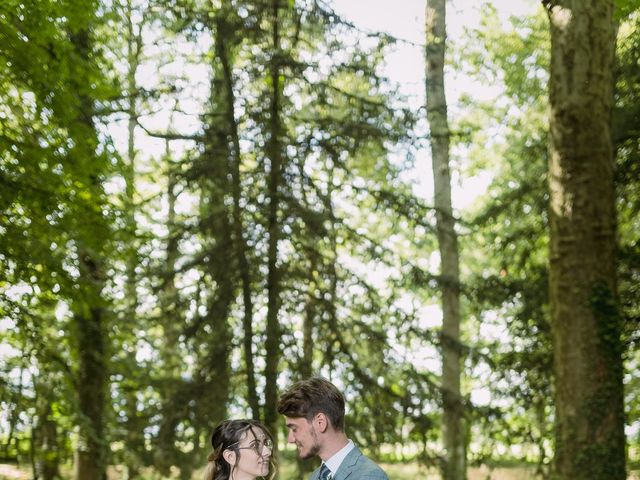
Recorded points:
303,434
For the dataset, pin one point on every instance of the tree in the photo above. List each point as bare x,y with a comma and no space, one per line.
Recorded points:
276,158
70,241
88,305
453,431
226,43
585,319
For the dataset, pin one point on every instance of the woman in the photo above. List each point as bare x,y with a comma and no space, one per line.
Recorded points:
242,450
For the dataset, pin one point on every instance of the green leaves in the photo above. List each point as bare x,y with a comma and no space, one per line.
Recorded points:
625,8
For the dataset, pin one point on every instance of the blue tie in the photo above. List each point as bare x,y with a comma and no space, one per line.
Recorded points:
325,473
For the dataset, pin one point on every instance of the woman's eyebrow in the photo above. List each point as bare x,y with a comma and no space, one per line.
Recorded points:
256,438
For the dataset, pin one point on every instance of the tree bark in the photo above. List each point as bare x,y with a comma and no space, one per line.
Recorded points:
585,323
134,42
48,458
454,458
92,376
275,156
134,435
223,33
88,307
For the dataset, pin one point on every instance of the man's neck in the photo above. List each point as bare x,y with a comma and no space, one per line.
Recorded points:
332,445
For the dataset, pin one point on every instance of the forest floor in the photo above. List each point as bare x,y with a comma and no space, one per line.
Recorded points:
409,471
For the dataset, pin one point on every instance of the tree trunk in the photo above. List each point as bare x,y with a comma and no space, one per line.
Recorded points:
454,459
134,435
92,380
48,458
223,34
88,306
274,153
134,42
169,296
585,323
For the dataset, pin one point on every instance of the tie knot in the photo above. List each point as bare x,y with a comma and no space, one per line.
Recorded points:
325,473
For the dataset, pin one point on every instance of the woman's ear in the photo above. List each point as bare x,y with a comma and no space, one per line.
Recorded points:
229,456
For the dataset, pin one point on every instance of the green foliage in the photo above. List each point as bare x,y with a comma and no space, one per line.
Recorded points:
626,121
625,8
56,218
354,251
508,281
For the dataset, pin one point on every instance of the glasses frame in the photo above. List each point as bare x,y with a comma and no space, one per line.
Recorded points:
268,443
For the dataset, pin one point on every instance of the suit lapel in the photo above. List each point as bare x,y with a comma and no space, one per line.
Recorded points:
348,464
315,475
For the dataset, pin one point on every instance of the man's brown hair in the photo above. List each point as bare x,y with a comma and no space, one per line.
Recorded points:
307,398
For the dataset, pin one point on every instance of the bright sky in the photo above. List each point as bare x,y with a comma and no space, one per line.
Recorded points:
405,20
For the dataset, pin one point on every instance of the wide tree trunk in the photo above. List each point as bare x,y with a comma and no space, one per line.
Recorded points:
454,459
275,156
89,313
91,384
590,442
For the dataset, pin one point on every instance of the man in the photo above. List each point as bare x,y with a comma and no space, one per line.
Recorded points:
314,414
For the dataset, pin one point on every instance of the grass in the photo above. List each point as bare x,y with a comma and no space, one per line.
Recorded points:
396,471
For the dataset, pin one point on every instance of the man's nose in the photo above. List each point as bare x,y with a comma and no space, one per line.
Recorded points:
291,438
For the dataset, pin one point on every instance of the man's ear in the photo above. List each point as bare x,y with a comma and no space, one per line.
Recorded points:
322,422
229,456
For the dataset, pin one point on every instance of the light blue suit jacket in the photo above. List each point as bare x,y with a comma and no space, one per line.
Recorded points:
355,466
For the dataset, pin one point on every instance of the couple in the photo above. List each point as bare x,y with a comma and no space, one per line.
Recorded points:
314,414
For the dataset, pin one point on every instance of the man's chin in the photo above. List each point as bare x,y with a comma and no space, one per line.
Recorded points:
312,452
306,455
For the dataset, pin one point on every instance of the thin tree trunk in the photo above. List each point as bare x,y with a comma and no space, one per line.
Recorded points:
135,439
274,152
585,322
305,370
454,459
133,51
173,323
169,290
306,363
13,414
329,352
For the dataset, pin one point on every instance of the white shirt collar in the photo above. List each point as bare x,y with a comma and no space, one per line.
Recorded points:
336,460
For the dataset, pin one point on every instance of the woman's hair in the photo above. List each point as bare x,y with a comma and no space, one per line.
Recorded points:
307,398
226,436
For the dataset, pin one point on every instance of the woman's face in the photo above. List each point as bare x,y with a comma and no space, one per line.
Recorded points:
254,454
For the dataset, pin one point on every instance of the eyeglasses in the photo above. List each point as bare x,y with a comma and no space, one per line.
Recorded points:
257,446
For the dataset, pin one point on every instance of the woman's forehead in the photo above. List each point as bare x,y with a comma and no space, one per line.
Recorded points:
253,433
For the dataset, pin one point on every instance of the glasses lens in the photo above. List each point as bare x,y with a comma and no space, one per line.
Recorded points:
259,447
